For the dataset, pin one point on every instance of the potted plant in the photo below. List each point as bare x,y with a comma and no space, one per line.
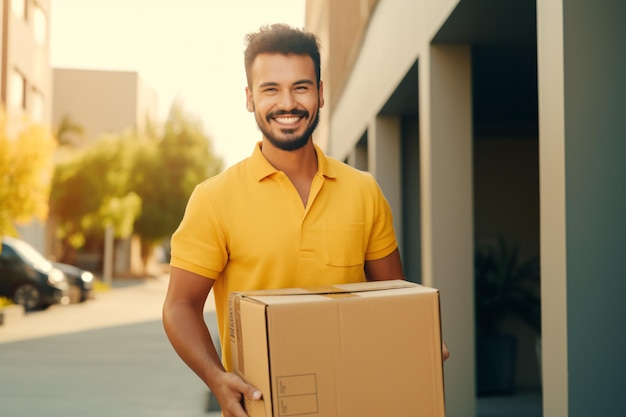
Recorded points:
505,288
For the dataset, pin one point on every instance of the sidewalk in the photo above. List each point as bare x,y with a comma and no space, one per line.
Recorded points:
106,357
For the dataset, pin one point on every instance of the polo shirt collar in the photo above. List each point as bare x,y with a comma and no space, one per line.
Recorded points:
262,168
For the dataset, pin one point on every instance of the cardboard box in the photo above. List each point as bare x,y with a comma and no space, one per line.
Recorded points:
356,350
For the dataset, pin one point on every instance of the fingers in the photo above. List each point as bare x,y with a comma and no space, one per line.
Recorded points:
249,391
256,394
232,390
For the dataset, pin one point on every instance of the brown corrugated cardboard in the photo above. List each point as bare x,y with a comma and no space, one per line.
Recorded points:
368,350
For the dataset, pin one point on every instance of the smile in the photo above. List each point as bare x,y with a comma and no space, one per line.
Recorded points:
287,120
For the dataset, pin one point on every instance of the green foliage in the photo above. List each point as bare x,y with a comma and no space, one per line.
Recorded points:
167,171
25,168
505,287
139,184
69,133
91,191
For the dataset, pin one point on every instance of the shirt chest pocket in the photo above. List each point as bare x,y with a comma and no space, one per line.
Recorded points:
344,244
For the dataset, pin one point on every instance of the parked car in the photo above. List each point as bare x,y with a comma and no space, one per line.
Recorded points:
29,279
79,279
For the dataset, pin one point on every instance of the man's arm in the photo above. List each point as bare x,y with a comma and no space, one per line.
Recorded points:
383,269
184,324
388,268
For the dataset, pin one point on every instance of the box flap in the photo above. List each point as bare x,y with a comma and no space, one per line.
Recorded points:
308,295
334,289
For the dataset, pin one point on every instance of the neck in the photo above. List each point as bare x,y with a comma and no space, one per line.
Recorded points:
301,163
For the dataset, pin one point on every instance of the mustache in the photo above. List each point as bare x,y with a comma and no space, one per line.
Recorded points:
295,112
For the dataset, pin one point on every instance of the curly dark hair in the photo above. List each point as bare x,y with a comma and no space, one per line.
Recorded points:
283,39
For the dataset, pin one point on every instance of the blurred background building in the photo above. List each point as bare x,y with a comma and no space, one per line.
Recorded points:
102,102
26,78
25,73
485,120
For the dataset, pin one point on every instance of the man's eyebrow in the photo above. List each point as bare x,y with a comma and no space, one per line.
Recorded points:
268,84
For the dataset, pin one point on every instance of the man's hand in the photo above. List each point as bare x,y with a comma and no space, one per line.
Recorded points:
186,329
230,392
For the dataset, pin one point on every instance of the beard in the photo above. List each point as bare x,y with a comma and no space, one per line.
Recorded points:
295,142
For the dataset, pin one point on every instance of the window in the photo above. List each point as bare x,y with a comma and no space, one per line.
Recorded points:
40,24
8,256
18,7
17,91
36,106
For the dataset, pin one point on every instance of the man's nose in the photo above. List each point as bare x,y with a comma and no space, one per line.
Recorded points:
287,100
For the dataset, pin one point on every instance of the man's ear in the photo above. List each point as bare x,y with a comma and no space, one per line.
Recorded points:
249,100
321,94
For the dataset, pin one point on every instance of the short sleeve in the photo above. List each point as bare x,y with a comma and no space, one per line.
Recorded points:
198,244
382,239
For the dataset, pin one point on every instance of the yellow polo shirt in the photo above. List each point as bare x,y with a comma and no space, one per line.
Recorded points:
248,229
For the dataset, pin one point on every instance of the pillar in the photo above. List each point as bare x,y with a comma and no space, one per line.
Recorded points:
447,210
582,126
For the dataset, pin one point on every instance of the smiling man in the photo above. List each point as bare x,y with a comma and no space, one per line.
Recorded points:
287,216
293,107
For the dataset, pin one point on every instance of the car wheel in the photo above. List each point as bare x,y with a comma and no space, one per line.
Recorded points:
27,295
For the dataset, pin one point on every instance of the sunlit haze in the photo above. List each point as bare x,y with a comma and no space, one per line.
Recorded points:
190,51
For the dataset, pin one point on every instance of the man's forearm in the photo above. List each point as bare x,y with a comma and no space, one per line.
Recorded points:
191,339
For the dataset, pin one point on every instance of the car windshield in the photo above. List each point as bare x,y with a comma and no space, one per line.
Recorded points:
30,254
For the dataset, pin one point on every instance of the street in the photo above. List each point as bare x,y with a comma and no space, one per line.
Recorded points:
108,357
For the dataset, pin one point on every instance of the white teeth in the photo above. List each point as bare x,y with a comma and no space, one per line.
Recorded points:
287,120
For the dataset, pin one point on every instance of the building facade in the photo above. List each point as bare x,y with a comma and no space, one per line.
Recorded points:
488,119
102,102
26,75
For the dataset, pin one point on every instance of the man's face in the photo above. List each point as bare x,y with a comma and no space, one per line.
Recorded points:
284,98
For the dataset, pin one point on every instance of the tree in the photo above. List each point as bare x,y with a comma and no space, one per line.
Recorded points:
91,191
69,133
167,170
25,169
136,183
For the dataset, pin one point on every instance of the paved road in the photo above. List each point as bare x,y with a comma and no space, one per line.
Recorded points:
108,357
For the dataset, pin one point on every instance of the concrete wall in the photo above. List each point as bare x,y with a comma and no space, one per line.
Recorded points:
29,57
340,26
447,210
583,200
103,101
100,101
